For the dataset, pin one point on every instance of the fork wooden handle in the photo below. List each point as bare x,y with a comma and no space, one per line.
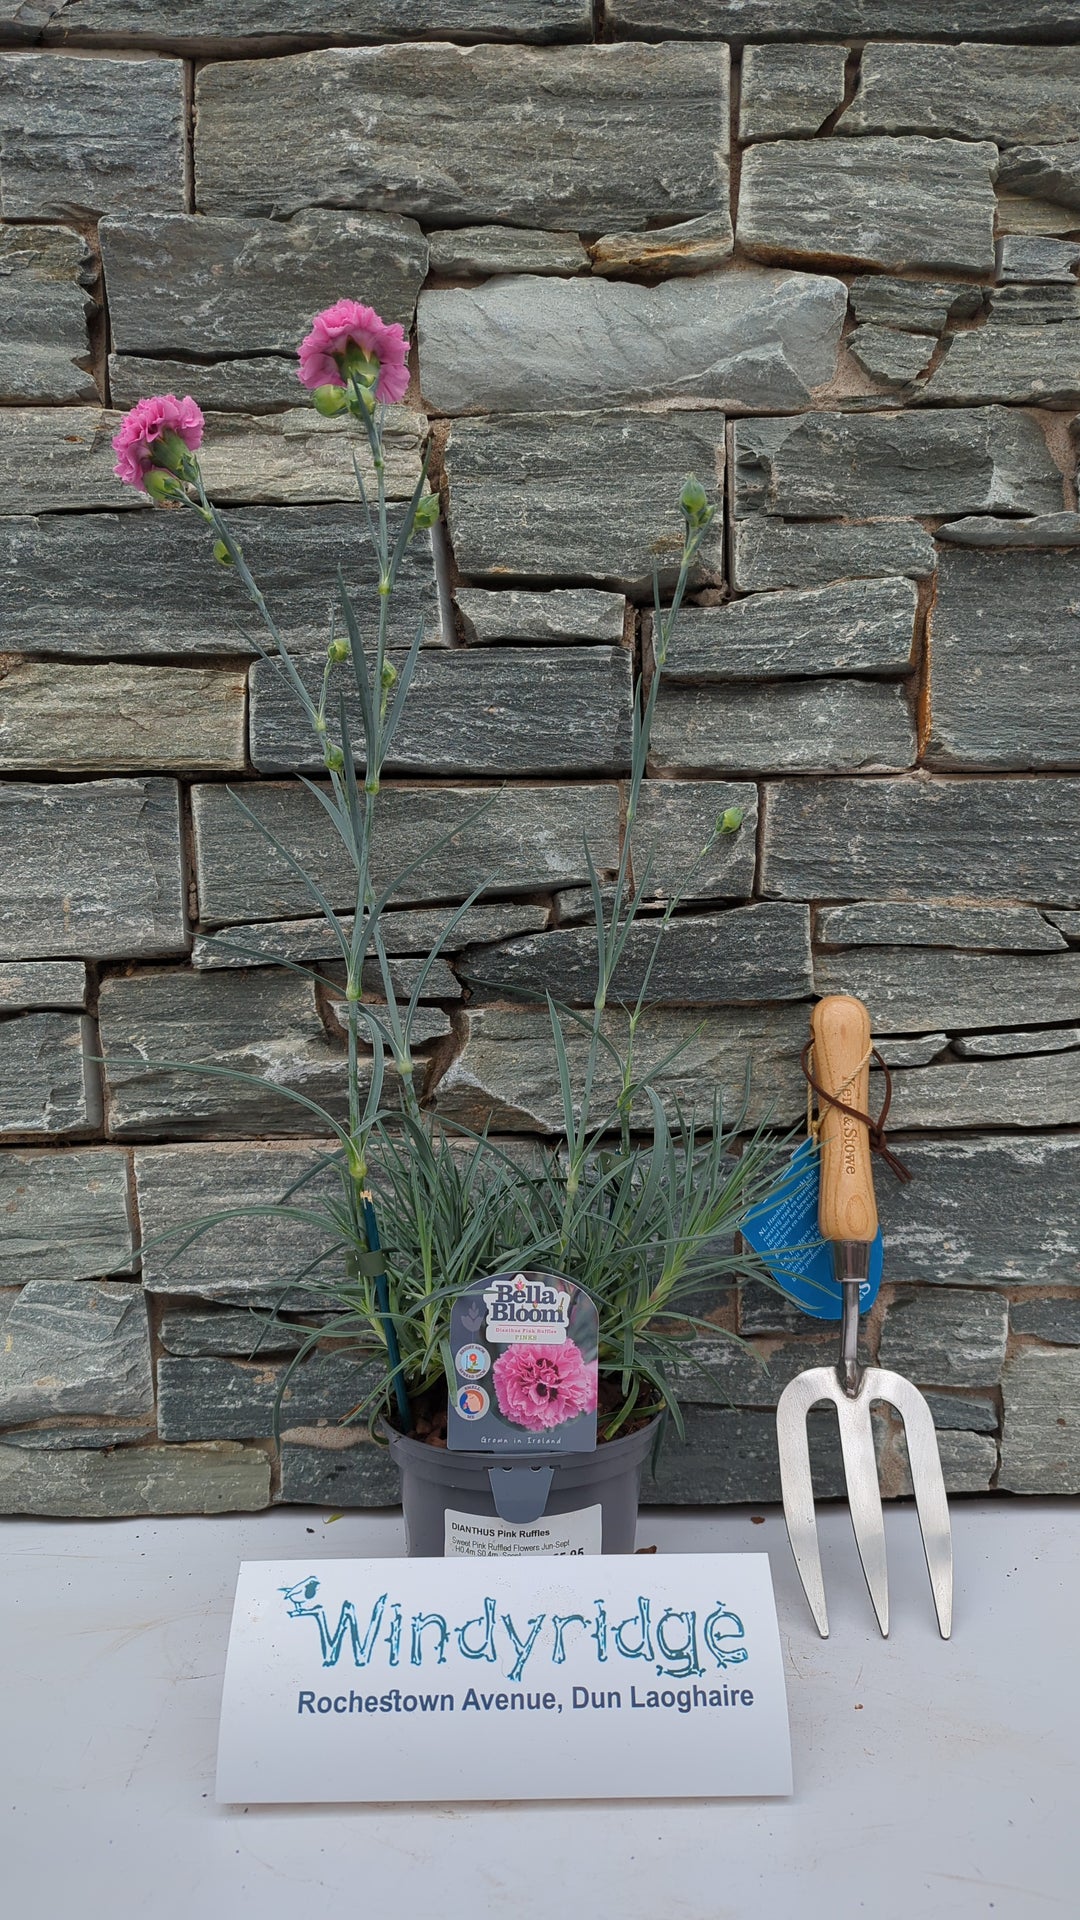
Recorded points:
847,1210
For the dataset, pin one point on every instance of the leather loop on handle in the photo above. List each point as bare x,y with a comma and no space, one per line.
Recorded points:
847,1209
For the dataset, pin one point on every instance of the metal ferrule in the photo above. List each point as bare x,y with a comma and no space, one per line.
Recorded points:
851,1265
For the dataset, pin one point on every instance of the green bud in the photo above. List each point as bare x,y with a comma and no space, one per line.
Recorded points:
330,401
164,488
693,499
334,759
221,554
427,512
337,651
389,673
730,820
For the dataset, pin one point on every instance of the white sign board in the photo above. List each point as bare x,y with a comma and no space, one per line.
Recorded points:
505,1678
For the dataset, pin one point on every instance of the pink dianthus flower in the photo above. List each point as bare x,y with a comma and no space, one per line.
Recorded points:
348,324
138,441
538,1387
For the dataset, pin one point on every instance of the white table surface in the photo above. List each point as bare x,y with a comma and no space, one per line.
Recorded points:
932,1780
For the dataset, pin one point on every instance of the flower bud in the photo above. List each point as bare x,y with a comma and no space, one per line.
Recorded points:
427,512
330,401
693,499
334,760
163,488
221,554
389,673
337,651
730,820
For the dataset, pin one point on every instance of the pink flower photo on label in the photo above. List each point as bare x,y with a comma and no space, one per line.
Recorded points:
348,325
539,1387
138,442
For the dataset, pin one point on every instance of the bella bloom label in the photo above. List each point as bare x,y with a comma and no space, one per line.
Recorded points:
524,1347
500,1679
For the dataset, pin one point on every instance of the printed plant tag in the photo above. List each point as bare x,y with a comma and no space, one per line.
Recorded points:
580,1532
524,1347
785,1233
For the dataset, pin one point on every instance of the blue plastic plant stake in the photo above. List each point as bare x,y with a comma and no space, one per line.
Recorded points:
784,1231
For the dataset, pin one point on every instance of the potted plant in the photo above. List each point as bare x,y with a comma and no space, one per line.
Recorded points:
637,1205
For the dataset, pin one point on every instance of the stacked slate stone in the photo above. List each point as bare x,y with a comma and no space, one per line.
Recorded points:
827,266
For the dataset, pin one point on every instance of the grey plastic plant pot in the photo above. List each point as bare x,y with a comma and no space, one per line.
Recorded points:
435,1481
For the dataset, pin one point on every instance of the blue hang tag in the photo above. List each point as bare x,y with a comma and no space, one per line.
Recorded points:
784,1231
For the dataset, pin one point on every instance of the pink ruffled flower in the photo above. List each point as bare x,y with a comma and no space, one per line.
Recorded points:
345,325
538,1387
141,431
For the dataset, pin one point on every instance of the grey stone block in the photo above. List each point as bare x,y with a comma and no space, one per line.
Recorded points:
28,984
520,840
872,923
568,613
247,1335
179,283
903,1050
798,726
690,246
75,584
45,277
1038,259
75,1346
1040,1449
909,839
989,1210
262,942
890,356
996,1046
65,1214
711,1371
513,711
963,1412
752,339
60,459
731,1457
1055,1321
908,988
467,253
244,1255
601,136
264,1024
833,19
1023,214
946,1337
263,384
506,1075
530,497
770,553
968,1462
854,626
47,1084
1043,530
1016,363
892,203
232,26
64,718
350,1472
96,136
977,93
1044,1089
134,1480
1068,922
744,955
234,1400
1045,173
764,1309
1005,664
914,306
77,1433
1038,306
677,821
984,460
790,89
90,868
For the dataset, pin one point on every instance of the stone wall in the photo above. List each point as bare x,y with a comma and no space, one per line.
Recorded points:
836,277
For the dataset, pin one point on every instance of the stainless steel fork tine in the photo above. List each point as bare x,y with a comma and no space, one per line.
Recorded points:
864,1496
796,1486
928,1485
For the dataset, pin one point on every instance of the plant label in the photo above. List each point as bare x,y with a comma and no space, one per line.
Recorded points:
524,1350
504,1679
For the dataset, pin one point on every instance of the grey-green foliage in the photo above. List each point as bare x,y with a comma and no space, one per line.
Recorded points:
640,1208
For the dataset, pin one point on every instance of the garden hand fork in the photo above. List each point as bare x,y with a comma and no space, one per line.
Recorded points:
847,1216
